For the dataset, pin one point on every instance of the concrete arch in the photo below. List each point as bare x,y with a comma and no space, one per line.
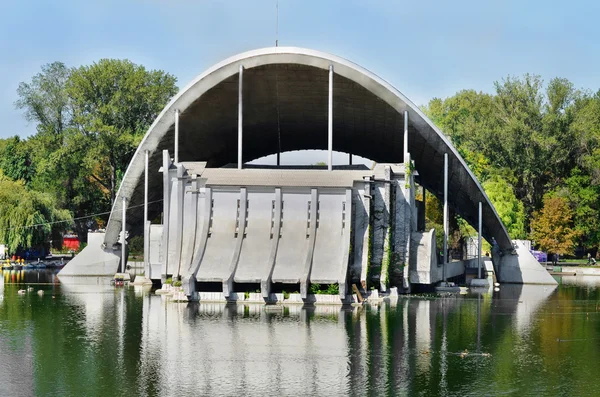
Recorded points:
302,70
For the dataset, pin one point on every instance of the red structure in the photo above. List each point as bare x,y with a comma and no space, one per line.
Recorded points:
71,242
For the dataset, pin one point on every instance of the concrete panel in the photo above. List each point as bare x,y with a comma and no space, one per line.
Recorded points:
155,248
423,267
220,245
203,226
293,243
329,245
190,220
361,215
242,220
253,262
175,220
312,236
347,231
265,284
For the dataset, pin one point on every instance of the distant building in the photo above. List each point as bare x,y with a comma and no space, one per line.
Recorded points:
71,242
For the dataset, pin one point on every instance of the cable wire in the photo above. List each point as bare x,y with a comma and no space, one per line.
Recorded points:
76,219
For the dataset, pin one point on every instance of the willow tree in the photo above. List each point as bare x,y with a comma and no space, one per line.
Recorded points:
27,217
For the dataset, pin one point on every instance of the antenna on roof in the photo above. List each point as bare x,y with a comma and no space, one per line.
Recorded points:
276,23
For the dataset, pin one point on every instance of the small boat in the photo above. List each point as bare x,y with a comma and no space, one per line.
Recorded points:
40,265
29,266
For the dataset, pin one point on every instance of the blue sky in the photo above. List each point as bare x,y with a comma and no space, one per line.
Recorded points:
424,48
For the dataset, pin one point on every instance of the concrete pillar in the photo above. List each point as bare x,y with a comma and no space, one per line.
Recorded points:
176,220
166,210
176,136
424,200
123,237
479,243
405,157
445,215
330,122
146,224
387,230
240,117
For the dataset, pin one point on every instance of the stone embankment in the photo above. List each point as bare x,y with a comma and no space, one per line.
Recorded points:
574,270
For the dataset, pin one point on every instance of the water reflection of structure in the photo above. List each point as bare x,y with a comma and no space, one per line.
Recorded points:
391,347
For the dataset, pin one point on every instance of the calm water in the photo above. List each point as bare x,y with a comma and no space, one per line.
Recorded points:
90,339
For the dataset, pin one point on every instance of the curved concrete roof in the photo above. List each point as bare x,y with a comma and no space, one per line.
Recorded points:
285,108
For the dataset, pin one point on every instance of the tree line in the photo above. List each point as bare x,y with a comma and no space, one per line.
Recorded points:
535,148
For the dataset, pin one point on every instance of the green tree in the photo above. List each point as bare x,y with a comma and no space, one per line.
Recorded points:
26,216
552,226
523,133
508,207
114,102
584,199
15,160
89,122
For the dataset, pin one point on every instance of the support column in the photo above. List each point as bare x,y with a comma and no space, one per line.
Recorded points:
166,211
479,243
424,222
405,157
330,122
146,225
123,231
349,158
240,117
445,216
176,136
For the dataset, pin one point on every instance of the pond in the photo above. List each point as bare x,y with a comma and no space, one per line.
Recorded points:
86,338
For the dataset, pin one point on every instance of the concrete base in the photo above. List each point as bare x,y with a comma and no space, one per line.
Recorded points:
521,268
480,283
93,260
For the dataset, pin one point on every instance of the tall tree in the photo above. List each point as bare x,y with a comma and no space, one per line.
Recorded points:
114,102
89,121
552,226
522,134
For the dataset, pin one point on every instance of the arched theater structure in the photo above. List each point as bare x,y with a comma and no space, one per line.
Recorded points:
228,223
